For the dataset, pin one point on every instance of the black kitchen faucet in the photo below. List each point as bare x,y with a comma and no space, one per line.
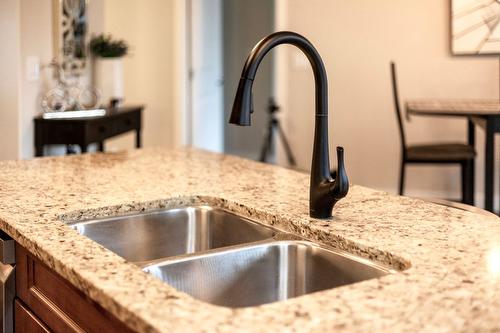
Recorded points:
324,190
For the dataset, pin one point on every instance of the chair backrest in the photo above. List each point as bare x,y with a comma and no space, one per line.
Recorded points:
397,107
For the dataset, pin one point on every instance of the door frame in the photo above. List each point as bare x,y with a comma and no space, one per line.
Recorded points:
182,103
181,100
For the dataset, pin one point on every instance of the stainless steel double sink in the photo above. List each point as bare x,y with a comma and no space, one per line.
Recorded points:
225,259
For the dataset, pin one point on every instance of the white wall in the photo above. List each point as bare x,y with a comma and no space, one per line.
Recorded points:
206,68
148,70
9,84
357,39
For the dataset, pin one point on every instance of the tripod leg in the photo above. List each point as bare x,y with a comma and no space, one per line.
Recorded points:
266,145
288,150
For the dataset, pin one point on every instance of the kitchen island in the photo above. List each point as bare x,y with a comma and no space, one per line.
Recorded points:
448,260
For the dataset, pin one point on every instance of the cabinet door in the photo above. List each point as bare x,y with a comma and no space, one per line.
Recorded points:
62,307
25,321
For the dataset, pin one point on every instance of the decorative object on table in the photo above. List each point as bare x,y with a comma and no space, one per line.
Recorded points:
436,153
108,53
68,94
70,34
475,26
74,114
274,125
115,102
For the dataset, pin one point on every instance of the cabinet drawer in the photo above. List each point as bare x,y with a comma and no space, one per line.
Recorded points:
26,321
61,306
61,132
126,123
100,130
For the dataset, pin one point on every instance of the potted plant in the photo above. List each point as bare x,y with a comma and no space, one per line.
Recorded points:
108,54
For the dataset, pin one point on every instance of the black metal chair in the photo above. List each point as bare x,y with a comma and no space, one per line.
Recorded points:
438,153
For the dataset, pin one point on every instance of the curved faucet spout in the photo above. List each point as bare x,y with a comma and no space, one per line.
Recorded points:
324,191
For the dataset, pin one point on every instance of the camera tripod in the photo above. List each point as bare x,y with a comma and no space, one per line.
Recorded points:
272,125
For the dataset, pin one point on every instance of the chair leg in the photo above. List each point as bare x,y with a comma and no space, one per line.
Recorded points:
402,177
468,182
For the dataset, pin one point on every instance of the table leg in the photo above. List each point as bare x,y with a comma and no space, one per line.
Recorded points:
489,164
471,140
100,146
138,140
39,135
70,150
83,148
39,150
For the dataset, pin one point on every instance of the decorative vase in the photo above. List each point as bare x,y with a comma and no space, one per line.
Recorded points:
109,78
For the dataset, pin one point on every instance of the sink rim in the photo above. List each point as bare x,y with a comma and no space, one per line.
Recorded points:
157,211
207,207
396,263
278,236
399,262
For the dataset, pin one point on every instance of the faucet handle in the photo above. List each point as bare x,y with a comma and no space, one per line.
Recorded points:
340,157
341,182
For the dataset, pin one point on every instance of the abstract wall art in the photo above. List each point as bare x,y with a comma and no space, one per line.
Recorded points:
475,27
70,34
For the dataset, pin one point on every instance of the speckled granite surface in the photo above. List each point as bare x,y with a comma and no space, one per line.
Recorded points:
450,258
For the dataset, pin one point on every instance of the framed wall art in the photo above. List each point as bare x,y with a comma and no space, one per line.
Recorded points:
70,34
475,27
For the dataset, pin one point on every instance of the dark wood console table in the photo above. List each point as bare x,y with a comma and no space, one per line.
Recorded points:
84,131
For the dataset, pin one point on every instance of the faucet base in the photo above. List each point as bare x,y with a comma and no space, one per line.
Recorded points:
321,212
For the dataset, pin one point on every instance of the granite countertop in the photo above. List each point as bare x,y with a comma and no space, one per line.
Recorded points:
449,260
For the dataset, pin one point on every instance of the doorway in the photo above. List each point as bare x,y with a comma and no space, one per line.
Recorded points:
220,34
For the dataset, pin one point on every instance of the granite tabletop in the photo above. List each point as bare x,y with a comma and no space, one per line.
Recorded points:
454,107
448,260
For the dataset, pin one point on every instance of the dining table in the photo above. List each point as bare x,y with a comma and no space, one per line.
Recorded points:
484,113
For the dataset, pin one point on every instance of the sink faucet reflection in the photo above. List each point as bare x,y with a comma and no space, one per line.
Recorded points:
324,190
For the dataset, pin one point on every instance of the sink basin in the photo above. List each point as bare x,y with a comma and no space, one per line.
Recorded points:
263,273
160,234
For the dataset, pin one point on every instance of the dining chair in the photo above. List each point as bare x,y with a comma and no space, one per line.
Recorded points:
434,153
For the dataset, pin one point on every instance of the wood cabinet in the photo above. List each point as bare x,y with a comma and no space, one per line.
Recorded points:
26,321
46,302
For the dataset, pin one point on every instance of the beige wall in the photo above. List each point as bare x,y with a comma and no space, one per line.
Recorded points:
36,40
148,69
27,31
357,39
9,84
